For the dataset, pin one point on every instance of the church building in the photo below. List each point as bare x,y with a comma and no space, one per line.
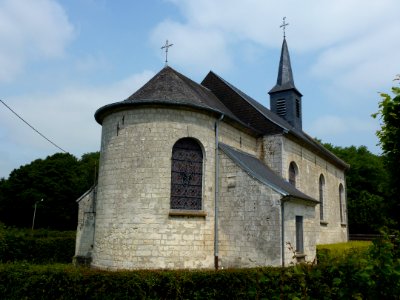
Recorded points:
201,176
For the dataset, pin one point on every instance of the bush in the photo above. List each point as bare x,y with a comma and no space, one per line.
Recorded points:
39,246
330,253
373,273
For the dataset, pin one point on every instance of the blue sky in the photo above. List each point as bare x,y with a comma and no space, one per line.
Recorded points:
61,60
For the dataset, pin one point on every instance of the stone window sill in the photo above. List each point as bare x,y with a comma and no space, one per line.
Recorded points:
187,213
323,223
300,257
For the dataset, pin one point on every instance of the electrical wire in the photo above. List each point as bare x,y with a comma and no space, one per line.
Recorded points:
37,131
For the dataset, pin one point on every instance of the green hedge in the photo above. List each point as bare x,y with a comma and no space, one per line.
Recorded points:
38,246
65,282
369,274
349,279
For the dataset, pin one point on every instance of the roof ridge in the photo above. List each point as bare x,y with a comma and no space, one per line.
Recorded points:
246,97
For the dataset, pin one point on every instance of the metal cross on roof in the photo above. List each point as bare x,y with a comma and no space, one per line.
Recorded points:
166,46
284,24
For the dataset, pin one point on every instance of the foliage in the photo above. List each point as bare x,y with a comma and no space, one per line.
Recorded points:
367,189
372,273
389,137
39,246
332,252
59,180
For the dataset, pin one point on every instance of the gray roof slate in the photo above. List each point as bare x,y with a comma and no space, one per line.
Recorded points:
285,79
169,87
265,116
258,170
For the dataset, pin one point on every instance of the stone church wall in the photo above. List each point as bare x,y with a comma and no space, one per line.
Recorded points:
270,150
134,228
237,139
249,218
310,167
85,229
310,229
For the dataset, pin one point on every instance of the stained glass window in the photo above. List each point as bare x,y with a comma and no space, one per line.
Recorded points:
186,175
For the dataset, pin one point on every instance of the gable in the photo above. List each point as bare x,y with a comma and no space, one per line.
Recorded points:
258,170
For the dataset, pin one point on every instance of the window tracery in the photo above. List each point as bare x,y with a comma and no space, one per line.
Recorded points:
186,175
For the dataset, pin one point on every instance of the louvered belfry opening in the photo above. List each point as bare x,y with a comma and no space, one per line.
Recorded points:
281,107
186,175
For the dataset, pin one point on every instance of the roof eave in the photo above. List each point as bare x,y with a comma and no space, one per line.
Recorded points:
102,112
278,88
309,201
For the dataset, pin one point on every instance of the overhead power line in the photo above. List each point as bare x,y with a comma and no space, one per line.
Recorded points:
37,131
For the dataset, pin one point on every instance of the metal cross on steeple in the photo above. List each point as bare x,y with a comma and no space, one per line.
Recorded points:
284,24
166,46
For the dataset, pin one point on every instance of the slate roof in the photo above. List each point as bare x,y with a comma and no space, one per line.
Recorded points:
256,115
258,170
170,87
215,95
244,107
285,79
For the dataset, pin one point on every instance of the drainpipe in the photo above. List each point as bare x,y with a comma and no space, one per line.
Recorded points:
216,196
283,231
94,215
345,209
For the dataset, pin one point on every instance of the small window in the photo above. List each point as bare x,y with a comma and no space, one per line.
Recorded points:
281,107
298,108
299,234
341,204
292,173
321,196
186,175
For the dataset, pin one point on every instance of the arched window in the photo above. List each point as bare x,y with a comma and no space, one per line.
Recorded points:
186,175
341,203
293,173
321,196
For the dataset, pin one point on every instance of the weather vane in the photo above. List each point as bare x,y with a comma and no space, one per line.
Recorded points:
284,24
166,46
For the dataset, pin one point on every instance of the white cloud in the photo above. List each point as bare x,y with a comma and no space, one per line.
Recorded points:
31,30
324,22
363,64
353,43
195,48
331,125
346,130
65,117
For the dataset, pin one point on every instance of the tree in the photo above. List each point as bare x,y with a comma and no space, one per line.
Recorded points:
59,179
367,188
389,140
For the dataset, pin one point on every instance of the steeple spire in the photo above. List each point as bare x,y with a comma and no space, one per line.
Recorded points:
285,99
285,79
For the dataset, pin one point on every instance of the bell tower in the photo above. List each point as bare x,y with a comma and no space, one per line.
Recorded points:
285,99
